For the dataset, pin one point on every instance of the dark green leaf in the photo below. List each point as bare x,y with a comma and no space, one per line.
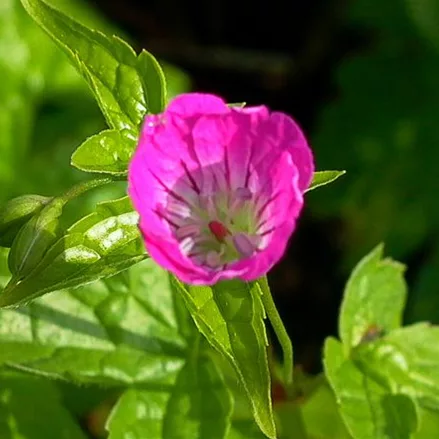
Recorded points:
374,299
15,213
100,245
109,65
231,317
290,421
322,178
368,409
107,152
407,360
31,408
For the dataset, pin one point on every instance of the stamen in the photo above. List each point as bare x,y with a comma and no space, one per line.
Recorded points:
244,244
187,230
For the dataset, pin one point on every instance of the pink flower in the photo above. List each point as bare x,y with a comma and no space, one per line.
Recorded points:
218,189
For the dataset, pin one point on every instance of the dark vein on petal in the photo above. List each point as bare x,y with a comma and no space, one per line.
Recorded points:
190,177
170,191
162,216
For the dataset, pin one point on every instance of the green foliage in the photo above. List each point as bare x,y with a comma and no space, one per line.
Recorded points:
107,152
32,408
382,374
374,298
109,65
99,245
322,178
368,409
15,213
230,316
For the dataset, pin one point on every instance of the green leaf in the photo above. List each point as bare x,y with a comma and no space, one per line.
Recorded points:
321,416
245,429
231,317
374,299
107,152
406,360
322,178
153,82
425,14
109,65
34,239
31,408
197,406
15,213
200,405
368,409
99,245
290,421
118,331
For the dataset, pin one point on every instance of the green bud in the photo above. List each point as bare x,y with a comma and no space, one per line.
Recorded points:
15,213
35,238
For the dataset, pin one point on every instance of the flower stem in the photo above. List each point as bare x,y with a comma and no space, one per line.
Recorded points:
85,186
279,329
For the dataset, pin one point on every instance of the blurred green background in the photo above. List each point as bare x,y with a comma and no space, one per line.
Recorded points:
361,77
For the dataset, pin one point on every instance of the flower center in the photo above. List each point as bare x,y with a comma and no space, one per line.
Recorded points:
217,229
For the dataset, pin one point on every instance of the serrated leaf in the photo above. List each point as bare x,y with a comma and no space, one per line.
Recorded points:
108,64
407,361
231,317
31,408
99,245
374,299
369,410
322,178
108,152
85,335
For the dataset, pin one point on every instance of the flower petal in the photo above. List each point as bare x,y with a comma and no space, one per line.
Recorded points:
196,104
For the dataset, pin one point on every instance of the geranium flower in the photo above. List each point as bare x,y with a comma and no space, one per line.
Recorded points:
218,189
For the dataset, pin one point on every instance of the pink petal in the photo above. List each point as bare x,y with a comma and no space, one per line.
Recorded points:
196,104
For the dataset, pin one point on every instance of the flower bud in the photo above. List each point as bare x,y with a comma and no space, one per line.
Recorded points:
15,213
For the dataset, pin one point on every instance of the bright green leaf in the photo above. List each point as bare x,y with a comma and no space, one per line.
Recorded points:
99,245
85,335
322,178
368,409
406,360
231,317
374,299
31,408
107,152
109,65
